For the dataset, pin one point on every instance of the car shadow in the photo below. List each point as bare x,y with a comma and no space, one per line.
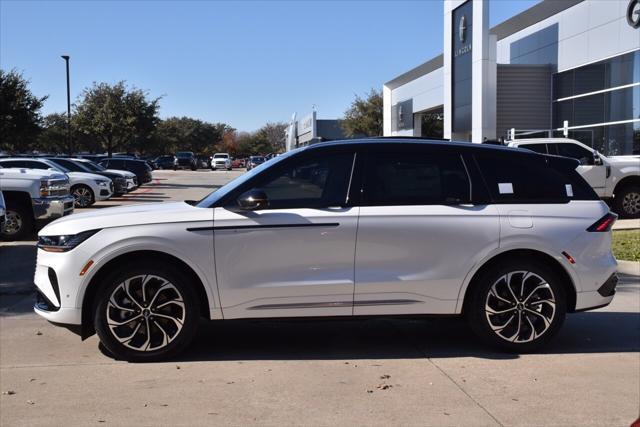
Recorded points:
591,332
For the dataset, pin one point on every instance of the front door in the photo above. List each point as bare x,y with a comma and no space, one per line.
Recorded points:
295,257
594,174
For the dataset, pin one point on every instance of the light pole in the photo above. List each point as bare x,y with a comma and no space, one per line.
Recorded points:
66,60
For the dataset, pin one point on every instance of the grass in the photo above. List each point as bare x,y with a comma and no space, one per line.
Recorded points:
626,244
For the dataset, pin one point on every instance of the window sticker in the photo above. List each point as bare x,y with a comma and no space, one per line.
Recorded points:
569,189
505,188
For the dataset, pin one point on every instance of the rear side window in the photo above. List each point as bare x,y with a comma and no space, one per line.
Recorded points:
415,178
522,178
538,148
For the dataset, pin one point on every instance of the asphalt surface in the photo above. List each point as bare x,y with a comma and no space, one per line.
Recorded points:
364,372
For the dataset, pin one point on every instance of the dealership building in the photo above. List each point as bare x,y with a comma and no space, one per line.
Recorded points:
561,68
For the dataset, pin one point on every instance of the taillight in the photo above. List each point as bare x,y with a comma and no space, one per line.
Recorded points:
603,224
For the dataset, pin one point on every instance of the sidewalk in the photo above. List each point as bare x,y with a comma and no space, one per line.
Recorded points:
627,224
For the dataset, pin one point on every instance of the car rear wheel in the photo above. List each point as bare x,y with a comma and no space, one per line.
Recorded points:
83,196
627,202
18,223
148,313
517,307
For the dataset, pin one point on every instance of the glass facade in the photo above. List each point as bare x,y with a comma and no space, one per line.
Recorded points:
617,83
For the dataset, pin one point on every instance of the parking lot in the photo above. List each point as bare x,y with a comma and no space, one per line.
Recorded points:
364,372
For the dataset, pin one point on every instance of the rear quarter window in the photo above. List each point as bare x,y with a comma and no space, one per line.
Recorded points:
522,178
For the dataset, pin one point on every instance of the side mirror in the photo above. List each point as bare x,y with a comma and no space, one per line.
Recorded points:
597,160
253,200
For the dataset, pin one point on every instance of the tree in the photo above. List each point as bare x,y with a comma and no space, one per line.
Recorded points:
20,116
118,116
275,134
53,136
187,134
364,116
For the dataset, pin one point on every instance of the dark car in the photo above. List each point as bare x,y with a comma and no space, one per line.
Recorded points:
119,182
187,160
138,167
254,161
97,158
167,162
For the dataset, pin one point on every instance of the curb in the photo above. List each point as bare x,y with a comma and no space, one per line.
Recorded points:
631,268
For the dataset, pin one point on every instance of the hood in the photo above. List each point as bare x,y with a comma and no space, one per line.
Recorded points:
140,214
85,175
620,161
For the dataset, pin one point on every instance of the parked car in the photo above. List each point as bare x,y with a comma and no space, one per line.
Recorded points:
238,163
86,188
204,162
130,177
615,179
221,161
254,161
139,167
32,198
167,162
121,179
510,239
187,160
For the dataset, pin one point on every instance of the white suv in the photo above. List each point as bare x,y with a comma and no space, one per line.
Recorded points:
614,178
508,238
221,161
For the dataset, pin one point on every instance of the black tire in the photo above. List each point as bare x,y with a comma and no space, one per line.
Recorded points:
83,196
626,202
229,169
19,222
183,332
525,338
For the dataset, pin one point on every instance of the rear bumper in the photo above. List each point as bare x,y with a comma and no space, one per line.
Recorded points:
598,298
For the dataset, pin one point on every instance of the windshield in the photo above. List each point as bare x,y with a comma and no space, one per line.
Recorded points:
216,156
56,166
93,166
183,155
257,159
218,194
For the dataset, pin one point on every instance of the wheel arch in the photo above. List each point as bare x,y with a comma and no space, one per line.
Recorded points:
132,257
528,254
627,180
18,197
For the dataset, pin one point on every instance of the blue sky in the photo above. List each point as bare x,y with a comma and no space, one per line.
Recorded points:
243,63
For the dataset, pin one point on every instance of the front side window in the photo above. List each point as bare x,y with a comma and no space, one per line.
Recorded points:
318,182
415,178
574,151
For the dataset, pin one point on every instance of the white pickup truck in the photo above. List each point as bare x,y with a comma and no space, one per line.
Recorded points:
616,178
32,198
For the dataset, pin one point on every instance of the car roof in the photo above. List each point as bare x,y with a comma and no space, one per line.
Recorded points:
412,141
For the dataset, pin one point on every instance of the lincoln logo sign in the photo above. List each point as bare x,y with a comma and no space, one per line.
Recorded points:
633,13
462,35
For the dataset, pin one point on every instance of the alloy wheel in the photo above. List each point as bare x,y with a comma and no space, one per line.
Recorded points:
145,313
12,224
83,196
631,203
520,306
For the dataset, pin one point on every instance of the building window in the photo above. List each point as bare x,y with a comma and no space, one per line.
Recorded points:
594,118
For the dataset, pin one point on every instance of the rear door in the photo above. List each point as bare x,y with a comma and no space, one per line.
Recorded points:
423,225
296,256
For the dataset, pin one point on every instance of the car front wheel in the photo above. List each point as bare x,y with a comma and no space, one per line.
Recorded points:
146,314
83,195
517,307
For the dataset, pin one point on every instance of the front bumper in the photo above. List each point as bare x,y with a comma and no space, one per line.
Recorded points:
50,208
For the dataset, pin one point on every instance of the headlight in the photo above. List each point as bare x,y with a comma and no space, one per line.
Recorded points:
102,182
54,188
63,243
